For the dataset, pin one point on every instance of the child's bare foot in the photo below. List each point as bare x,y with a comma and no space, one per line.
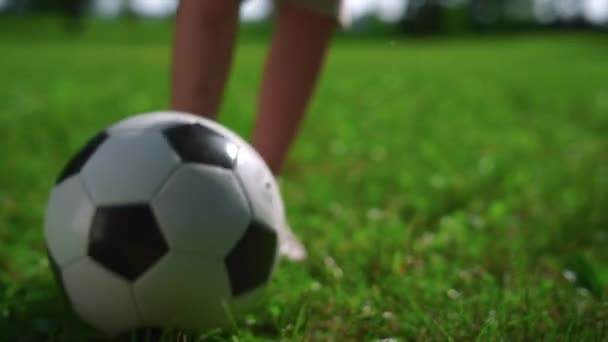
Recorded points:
290,246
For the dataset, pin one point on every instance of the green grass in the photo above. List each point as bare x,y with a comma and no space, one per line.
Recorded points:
446,189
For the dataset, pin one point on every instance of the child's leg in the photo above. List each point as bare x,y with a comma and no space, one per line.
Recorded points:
297,53
205,31
296,56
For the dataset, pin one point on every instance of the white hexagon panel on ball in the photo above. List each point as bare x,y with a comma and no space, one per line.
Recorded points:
129,168
68,221
202,209
184,290
100,298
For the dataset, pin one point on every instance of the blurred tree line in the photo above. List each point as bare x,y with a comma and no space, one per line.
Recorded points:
459,16
33,6
420,16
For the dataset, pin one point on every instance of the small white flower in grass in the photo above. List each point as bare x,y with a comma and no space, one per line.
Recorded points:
367,310
478,222
329,262
427,239
250,321
335,270
374,214
453,294
583,292
491,317
569,275
338,273
387,315
388,339
315,286
465,275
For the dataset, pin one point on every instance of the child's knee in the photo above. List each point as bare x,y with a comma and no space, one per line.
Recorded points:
328,8
210,13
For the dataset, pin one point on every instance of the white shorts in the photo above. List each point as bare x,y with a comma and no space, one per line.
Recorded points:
332,8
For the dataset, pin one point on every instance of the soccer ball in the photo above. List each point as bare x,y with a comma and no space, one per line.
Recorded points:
163,220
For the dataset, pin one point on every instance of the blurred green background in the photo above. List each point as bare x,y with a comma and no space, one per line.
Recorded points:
450,181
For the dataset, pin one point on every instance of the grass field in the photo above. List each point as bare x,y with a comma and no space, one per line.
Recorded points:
447,189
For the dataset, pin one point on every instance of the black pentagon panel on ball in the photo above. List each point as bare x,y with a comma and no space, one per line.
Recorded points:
250,262
77,162
57,274
126,239
196,143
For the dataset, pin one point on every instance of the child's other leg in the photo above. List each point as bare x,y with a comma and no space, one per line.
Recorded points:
297,53
295,60
203,45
